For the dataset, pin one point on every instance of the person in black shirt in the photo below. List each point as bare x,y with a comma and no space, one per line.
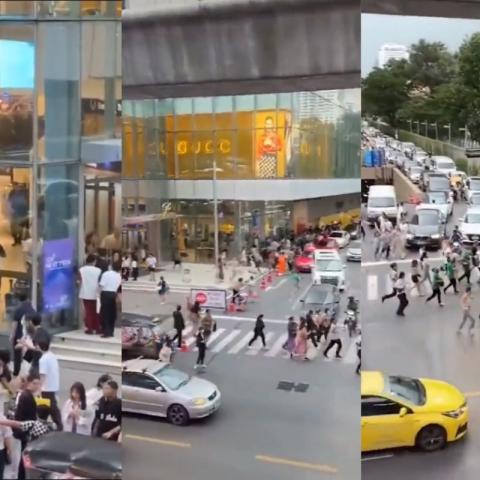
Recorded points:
24,309
26,410
178,325
108,416
32,355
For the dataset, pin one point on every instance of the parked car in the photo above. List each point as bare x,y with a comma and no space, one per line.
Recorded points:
426,229
151,387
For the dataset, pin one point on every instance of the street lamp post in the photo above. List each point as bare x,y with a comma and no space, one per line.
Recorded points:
449,127
426,127
436,129
466,135
418,126
410,124
215,214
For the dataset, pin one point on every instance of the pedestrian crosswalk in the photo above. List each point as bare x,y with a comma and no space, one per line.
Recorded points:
234,341
381,284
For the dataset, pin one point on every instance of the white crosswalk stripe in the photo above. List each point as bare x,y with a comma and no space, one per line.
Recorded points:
226,341
381,284
277,346
259,345
235,341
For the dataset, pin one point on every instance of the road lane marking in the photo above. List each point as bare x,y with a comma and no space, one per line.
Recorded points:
351,355
295,463
472,394
377,457
277,346
249,319
242,343
220,345
372,287
160,441
254,351
300,296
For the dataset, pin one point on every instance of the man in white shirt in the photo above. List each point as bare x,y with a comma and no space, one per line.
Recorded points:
89,278
151,262
110,284
50,379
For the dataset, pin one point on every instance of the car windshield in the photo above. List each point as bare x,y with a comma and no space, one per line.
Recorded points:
472,218
332,265
440,184
437,197
319,295
425,217
172,378
381,202
475,185
445,165
416,169
406,388
475,200
356,244
336,235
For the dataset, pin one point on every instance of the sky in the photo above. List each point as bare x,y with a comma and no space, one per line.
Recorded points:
380,29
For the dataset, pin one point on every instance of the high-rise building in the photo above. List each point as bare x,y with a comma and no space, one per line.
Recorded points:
391,51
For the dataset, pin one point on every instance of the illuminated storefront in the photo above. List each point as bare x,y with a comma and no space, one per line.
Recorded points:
271,152
59,101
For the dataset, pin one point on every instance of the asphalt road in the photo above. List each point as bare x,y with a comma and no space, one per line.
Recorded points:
260,431
459,210
423,344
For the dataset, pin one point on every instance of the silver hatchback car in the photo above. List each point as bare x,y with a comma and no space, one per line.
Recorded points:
151,387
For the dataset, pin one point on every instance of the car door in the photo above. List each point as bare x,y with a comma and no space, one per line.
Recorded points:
383,426
146,395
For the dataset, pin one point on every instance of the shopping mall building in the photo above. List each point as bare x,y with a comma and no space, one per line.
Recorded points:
60,145
273,161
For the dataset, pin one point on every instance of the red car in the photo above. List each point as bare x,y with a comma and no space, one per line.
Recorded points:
303,263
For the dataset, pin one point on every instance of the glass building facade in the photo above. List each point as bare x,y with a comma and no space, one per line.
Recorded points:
60,94
172,147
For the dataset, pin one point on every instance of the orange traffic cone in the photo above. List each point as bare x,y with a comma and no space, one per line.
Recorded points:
184,347
263,284
269,278
232,308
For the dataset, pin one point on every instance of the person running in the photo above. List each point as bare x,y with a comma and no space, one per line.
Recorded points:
417,277
400,288
258,331
359,354
437,284
466,303
292,328
162,289
467,267
311,328
201,343
451,275
178,325
335,339
393,275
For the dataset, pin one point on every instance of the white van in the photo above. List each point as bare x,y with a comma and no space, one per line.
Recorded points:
329,268
443,164
382,198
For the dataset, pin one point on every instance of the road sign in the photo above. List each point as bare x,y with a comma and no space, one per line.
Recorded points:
209,298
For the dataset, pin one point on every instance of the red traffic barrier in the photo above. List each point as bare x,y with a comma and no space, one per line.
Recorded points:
184,347
253,294
263,284
269,278
232,308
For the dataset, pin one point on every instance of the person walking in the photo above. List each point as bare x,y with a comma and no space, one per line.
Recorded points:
393,275
126,267
467,267
466,303
311,328
335,339
110,285
325,325
178,325
451,275
301,338
108,416
400,288
134,265
151,262
50,379
162,289
258,331
201,343
166,351
208,324
292,327
89,277
437,284
77,415
417,277
358,344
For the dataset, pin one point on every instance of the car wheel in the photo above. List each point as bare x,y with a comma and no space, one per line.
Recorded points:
177,414
431,438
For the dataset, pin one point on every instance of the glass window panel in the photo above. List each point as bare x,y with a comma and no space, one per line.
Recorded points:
244,103
101,8
59,8
223,107
185,154
17,8
57,213
245,157
266,101
101,70
59,91
17,67
203,105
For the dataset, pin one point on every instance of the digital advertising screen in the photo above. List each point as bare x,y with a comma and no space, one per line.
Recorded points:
17,64
58,274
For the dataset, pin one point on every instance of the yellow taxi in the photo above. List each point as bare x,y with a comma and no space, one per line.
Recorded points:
405,412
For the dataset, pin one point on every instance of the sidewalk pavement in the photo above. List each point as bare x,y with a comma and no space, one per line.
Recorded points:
194,275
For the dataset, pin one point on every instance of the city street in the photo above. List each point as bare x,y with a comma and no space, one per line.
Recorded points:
257,433
423,344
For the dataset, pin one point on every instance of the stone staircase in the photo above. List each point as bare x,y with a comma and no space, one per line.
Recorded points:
78,351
